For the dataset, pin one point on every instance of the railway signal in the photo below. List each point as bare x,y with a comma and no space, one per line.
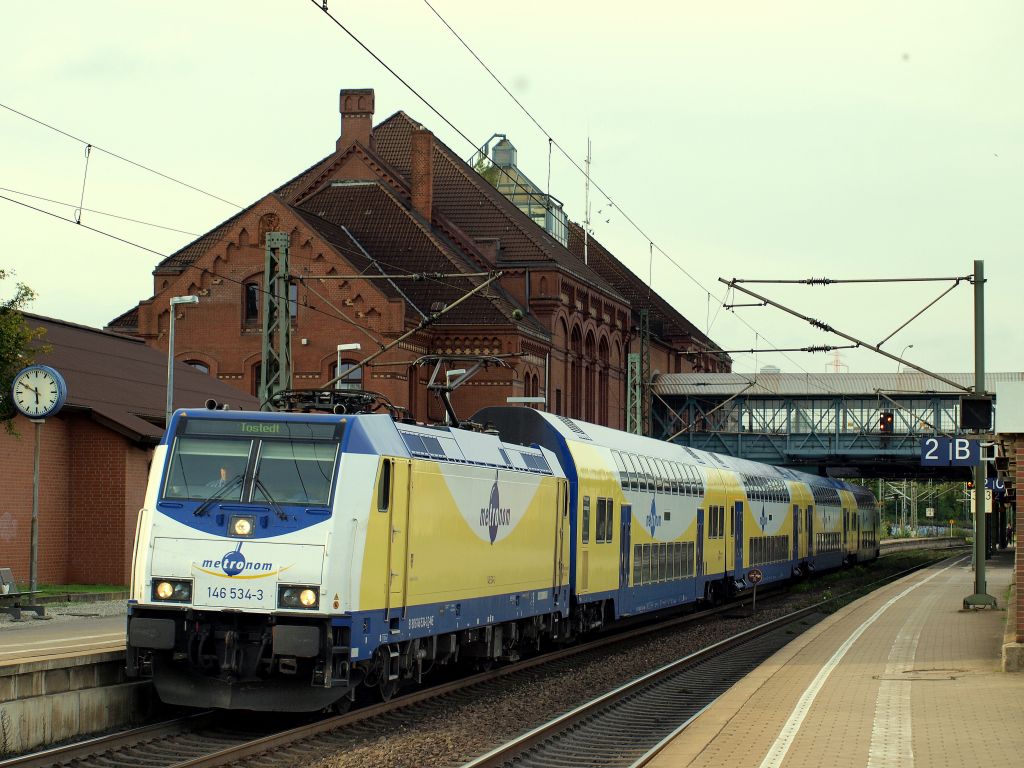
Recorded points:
885,422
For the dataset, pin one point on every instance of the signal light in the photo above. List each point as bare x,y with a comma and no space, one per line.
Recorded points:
885,422
970,485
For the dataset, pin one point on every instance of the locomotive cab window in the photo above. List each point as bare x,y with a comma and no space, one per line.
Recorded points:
203,467
295,472
384,486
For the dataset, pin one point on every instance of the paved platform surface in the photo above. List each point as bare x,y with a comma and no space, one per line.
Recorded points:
903,677
33,640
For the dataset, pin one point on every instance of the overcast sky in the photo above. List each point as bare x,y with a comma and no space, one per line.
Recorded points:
754,140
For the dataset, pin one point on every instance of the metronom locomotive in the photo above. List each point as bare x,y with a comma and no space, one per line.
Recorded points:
284,561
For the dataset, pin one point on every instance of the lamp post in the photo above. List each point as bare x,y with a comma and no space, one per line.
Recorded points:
175,301
900,363
355,347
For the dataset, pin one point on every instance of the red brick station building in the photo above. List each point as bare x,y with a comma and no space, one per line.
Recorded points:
390,200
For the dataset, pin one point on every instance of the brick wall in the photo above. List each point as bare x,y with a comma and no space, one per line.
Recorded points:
16,461
136,476
92,482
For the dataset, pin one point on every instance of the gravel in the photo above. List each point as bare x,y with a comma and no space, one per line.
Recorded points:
452,736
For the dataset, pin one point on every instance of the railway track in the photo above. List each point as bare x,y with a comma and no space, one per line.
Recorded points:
626,727
208,739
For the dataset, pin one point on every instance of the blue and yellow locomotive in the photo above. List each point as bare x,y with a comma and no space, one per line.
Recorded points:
284,561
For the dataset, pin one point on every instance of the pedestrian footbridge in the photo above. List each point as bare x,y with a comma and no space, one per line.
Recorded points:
847,424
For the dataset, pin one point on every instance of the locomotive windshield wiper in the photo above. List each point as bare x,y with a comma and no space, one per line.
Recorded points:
204,508
281,515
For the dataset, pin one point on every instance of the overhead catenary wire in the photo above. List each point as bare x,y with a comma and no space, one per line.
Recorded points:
197,267
98,212
565,154
427,320
461,134
85,176
92,145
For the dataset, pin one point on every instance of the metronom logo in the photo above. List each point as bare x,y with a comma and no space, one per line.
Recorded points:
494,515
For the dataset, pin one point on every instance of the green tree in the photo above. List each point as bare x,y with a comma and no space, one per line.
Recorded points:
16,349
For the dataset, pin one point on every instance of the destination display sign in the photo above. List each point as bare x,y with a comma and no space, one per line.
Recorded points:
289,430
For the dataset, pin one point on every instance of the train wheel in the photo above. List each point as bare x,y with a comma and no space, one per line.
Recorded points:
341,706
388,689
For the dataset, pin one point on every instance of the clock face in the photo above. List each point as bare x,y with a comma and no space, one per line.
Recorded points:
37,392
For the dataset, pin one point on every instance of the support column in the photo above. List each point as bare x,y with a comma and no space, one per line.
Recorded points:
276,368
980,598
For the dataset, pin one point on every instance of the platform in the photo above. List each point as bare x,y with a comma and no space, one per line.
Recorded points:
37,641
903,677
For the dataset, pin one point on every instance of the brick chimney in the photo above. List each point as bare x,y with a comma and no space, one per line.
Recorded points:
356,117
422,172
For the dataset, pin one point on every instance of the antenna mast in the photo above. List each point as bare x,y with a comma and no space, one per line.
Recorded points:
586,206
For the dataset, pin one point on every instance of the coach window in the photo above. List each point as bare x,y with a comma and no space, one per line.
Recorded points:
663,477
636,478
586,520
384,487
600,520
623,474
677,478
648,474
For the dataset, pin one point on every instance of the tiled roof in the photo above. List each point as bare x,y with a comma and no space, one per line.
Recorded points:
129,321
662,314
121,382
400,243
462,196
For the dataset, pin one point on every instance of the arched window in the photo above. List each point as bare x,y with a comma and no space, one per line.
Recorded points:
576,374
254,383
251,302
199,365
352,377
602,383
589,384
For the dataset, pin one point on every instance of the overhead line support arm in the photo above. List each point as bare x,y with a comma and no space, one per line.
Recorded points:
830,329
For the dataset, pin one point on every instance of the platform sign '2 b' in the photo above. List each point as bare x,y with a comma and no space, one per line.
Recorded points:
950,452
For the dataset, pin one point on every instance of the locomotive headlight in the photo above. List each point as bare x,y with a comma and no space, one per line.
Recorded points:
298,596
241,525
172,590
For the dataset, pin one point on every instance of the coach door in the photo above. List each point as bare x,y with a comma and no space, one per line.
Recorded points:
558,577
796,532
809,512
699,565
738,534
625,546
398,549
